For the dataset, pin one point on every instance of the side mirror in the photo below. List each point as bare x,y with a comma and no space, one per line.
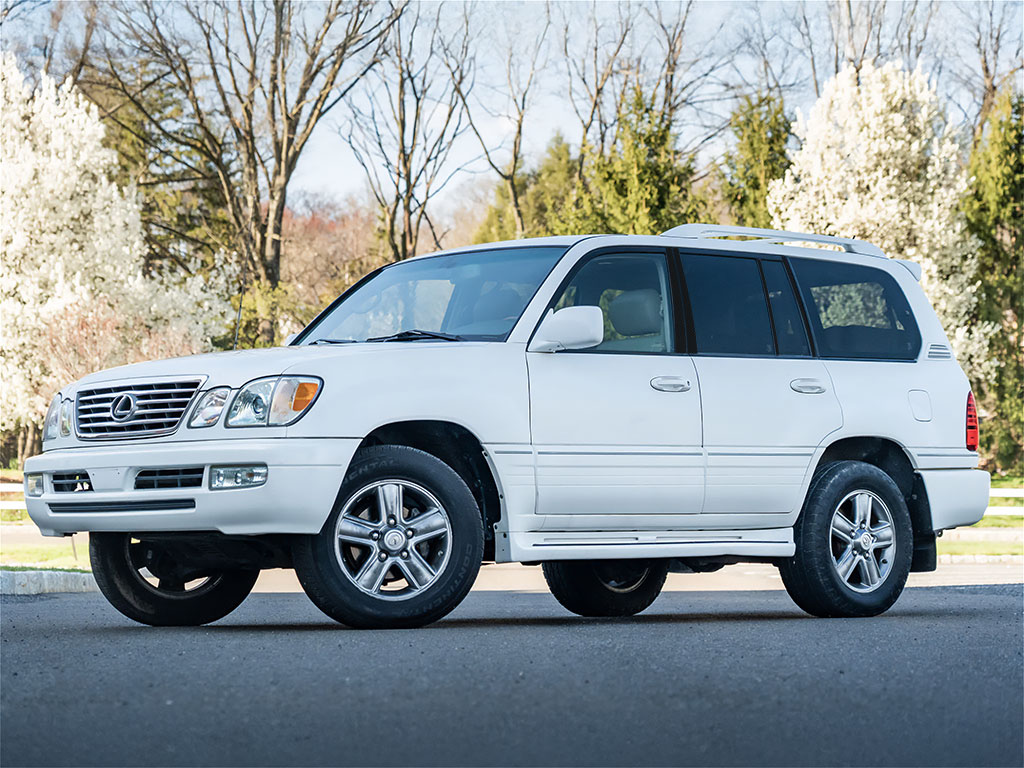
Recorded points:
569,328
289,339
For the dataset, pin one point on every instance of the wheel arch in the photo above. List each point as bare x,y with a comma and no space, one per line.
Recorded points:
893,459
460,449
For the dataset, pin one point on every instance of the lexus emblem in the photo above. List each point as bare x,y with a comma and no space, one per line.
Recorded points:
123,407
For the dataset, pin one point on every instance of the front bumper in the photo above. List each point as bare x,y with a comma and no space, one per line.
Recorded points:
956,496
303,478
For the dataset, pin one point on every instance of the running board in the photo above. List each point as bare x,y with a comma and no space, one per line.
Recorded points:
594,545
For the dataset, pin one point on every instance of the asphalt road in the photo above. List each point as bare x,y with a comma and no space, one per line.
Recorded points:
702,678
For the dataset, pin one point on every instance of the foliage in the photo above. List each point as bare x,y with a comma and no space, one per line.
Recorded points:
761,131
73,293
994,212
879,162
642,186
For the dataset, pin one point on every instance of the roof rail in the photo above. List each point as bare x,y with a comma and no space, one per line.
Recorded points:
710,231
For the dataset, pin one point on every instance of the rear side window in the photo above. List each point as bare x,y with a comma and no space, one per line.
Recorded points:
856,311
790,333
730,315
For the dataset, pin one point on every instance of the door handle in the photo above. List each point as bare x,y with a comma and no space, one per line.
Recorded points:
807,386
670,384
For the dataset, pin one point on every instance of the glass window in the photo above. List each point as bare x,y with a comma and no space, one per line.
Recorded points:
790,333
475,295
632,291
856,311
730,315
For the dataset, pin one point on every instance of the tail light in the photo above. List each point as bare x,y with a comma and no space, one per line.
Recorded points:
972,423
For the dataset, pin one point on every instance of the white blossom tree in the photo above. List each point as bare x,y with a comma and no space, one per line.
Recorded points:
879,161
73,294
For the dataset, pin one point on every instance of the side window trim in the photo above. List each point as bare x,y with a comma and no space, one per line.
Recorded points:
671,300
798,299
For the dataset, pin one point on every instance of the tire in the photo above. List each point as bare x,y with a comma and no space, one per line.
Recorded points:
831,575
605,587
360,572
116,563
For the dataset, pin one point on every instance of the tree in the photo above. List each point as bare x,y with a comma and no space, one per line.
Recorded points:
521,73
74,295
761,130
403,129
643,185
255,80
994,212
879,161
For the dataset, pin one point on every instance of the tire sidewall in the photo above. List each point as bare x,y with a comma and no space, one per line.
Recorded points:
337,596
814,534
124,589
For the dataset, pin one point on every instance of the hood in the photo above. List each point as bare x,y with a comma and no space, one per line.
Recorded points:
236,368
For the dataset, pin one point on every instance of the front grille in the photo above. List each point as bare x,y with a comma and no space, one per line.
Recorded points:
71,482
182,477
133,410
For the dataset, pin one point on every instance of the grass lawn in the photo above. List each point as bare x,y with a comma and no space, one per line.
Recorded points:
46,556
980,547
1000,521
42,568
11,476
16,516
1007,481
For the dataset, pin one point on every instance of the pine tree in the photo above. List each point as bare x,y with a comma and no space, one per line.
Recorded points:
761,130
994,212
644,185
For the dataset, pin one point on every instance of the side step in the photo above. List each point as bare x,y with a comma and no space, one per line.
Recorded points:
594,545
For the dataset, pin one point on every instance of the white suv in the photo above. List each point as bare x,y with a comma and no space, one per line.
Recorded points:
611,407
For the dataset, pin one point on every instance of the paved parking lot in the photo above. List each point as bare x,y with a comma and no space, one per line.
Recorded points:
721,678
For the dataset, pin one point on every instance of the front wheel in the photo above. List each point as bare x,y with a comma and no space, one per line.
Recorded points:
147,585
854,543
605,587
402,546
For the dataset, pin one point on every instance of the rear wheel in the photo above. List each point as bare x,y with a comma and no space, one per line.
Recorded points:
854,543
147,585
402,547
605,587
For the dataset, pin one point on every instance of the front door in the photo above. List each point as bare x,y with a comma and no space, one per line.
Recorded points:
767,403
617,428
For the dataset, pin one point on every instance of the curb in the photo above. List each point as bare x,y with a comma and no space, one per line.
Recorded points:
41,582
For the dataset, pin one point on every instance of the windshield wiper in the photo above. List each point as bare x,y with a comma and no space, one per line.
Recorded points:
333,341
415,333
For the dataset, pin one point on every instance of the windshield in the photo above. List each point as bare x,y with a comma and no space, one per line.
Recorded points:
475,295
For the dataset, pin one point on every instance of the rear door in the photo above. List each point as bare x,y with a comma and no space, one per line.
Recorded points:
767,403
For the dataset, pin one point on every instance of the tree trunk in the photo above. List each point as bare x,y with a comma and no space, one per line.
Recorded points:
517,211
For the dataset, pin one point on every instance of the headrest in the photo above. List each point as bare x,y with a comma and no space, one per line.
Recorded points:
636,313
498,304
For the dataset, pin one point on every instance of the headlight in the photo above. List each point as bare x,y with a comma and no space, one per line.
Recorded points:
208,409
275,402
50,426
65,418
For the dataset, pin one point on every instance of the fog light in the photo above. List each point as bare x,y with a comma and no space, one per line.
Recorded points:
247,476
33,485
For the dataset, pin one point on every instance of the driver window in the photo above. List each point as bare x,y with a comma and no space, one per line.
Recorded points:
632,291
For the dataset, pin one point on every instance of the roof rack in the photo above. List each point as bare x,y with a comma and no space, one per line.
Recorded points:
711,231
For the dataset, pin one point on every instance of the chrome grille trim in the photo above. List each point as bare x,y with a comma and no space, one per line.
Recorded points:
939,352
160,407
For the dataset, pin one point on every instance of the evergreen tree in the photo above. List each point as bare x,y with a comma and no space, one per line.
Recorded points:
761,130
644,185
994,212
